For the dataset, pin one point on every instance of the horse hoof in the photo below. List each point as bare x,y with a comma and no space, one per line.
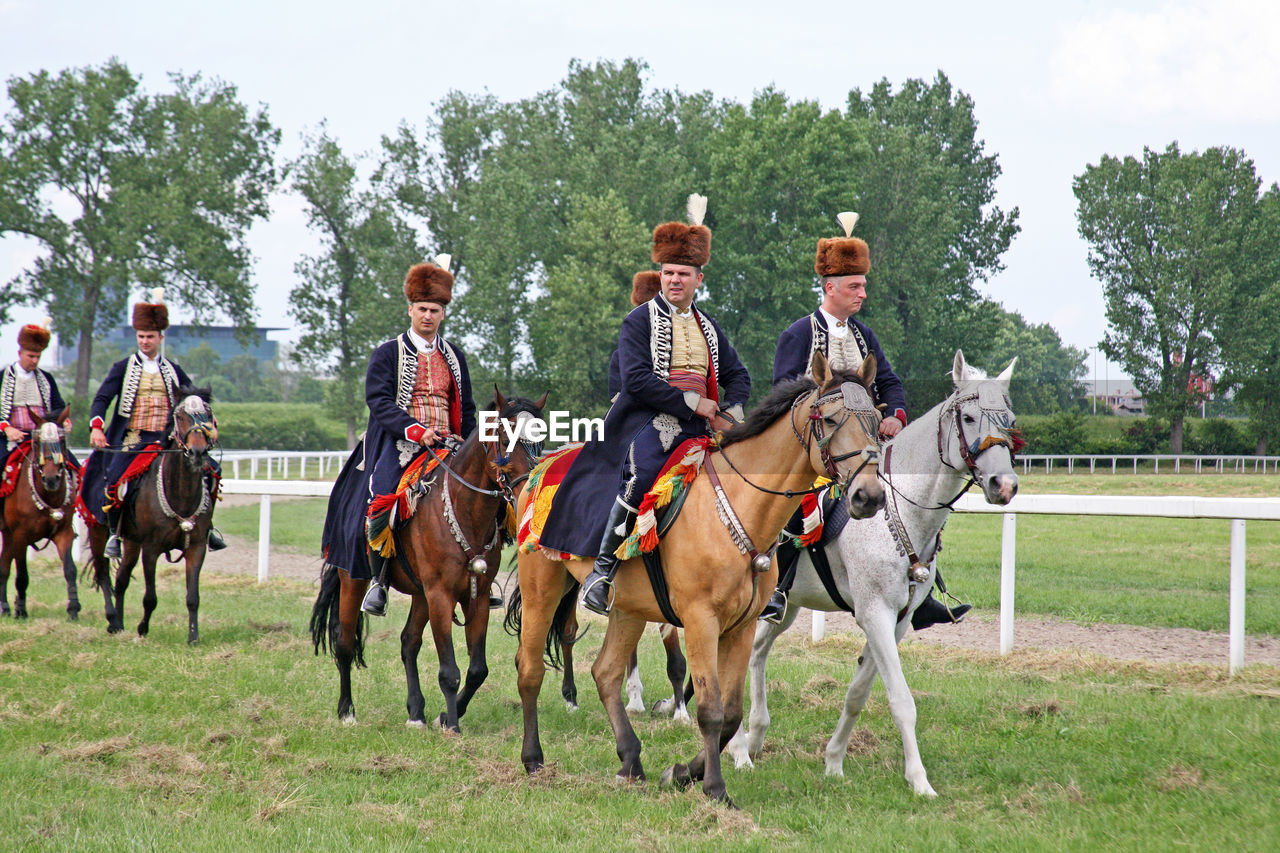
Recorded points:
20,614
676,777
73,617
348,720
416,724
114,629
571,706
443,723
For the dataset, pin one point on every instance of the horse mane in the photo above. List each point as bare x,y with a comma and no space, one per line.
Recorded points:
770,409
515,405
185,391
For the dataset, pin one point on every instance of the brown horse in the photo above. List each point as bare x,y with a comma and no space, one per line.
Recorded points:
448,553
41,508
718,582
169,508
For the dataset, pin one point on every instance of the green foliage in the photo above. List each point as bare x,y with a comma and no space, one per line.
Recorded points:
1174,241
349,298
1218,435
164,188
1147,435
1063,432
277,426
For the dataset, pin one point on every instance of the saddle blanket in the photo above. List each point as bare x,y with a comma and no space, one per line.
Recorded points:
387,511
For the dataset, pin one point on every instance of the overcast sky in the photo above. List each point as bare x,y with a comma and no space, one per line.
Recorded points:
1054,88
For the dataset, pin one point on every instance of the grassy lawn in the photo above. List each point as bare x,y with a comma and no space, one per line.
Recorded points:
116,744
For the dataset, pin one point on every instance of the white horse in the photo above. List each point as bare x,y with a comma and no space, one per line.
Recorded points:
884,566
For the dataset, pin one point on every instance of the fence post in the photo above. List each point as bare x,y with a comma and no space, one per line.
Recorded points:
1008,547
1235,604
264,537
819,629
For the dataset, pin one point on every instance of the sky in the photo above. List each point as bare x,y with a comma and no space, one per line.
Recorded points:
1054,88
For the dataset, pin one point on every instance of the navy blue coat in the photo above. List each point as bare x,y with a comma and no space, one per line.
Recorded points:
794,352
583,501
378,461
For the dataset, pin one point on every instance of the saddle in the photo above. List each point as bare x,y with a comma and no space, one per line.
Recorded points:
387,512
12,467
142,462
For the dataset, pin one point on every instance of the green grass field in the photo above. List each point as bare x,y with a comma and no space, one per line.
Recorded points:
111,743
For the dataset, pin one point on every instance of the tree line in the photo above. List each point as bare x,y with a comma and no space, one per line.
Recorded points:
546,204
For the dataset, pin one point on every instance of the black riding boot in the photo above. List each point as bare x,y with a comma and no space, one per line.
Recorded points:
788,555
216,542
932,611
114,550
375,600
596,586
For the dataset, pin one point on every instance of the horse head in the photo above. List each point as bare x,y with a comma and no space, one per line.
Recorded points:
842,436
977,430
514,467
194,428
49,443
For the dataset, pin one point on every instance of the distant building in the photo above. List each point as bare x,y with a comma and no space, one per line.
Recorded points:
179,339
1119,394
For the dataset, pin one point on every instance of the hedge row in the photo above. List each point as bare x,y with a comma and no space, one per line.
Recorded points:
1072,432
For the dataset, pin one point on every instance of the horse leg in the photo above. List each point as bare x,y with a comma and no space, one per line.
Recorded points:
149,594
620,640
542,585
410,646
64,542
440,615
677,669
476,630
346,640
194,559
20,582
635,687
568,637
702,639
6,560
749,740
124,572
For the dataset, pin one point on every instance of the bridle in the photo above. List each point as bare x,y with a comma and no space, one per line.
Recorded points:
66,478
997,418
201,422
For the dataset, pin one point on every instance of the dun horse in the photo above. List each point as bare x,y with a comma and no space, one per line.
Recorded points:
717,582
41,508
169,508
447,553
966,439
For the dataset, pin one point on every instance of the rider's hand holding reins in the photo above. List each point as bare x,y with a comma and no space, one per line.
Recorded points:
97,438
14,434
890,426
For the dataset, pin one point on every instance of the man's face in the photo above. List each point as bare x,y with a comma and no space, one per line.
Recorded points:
426,317
28,359
679,283
149,343
845,294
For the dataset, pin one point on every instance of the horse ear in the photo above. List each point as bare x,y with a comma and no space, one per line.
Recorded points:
62,416
541,402
867,372
1008,372
820,369
499,400
959,370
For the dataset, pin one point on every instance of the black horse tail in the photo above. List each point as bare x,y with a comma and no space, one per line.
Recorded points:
556,639
326,617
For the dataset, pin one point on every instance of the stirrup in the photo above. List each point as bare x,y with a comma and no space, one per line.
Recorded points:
216,542
589,596
375,600
114,549
495,601
776,608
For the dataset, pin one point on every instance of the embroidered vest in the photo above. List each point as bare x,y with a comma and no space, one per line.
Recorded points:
151,404
18,397
429,403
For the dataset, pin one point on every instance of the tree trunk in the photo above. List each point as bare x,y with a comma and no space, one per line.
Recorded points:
1261,448
1175,433
351,434
84,360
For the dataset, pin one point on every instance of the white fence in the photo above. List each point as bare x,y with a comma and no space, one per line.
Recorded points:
1176,463
1235,510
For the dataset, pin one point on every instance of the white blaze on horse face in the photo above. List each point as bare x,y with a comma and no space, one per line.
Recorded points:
193,405
50,433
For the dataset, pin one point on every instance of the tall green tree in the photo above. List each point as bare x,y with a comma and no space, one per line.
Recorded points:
1250,339
350,297
1168,238
161,189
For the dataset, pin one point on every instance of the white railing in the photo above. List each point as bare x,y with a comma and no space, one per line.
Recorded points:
1236,510
1220,464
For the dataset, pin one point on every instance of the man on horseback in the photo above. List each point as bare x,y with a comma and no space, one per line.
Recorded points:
419,395
26,391
672,357
144,386
843,264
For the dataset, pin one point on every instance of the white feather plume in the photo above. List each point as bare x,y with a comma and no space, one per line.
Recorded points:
697,207
157,295
443,261
45,321
847,220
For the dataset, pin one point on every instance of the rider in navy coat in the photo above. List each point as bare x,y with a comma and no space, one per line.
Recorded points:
672,358
418,391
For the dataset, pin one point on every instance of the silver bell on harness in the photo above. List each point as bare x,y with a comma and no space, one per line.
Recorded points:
478,565
919,573
760,563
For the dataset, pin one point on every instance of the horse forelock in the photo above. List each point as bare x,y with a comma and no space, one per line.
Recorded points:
516,405
50,433
194,405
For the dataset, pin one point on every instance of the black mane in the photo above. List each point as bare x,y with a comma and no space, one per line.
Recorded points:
185,391
763,416
515,405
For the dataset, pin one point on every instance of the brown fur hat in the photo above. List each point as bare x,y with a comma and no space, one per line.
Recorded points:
646,285
842,256
33,338
428,283
679,243
150,316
